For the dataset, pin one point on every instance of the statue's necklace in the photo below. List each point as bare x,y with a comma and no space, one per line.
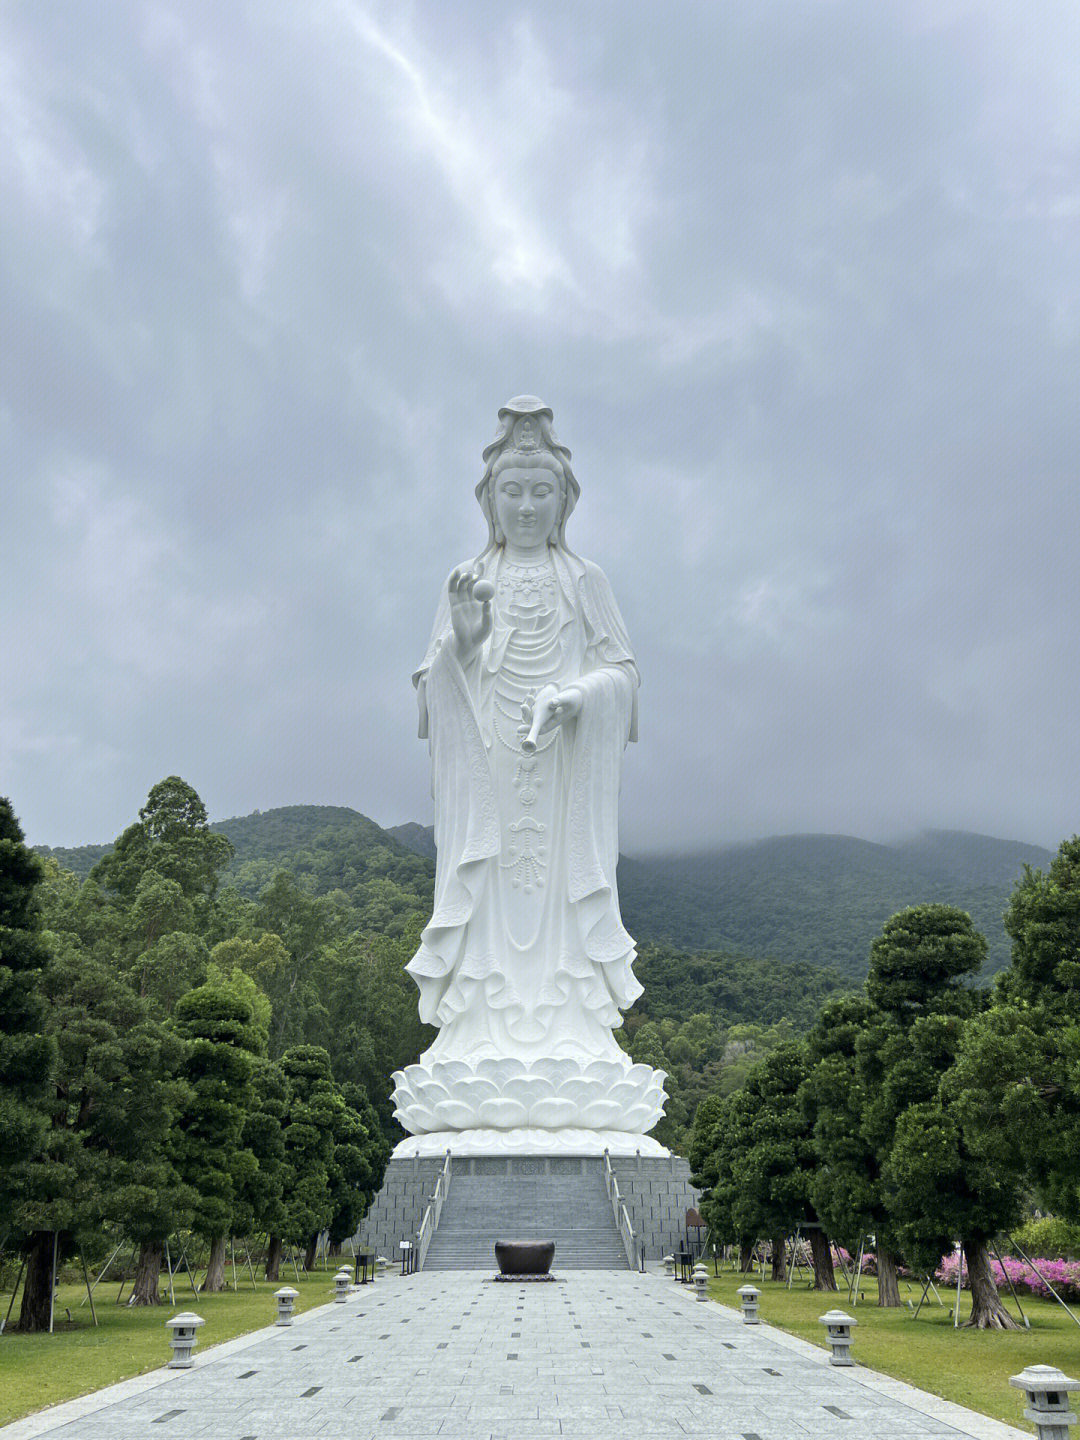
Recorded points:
527,586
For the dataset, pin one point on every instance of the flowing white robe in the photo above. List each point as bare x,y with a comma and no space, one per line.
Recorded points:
525,966
493,992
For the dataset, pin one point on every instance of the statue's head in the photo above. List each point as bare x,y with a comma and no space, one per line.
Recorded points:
526,442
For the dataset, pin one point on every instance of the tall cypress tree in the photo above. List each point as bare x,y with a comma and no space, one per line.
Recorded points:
27,1053
309,1146
1018,1076
217,1021
935,1186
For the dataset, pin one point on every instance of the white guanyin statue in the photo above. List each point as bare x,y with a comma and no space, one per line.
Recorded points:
528,696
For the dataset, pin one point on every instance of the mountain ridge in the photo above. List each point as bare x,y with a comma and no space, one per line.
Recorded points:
814,898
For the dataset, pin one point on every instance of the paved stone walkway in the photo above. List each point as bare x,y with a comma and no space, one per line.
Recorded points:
454,1355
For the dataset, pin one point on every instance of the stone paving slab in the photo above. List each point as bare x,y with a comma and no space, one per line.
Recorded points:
450,1355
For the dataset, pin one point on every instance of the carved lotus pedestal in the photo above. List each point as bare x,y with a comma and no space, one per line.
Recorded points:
546,1107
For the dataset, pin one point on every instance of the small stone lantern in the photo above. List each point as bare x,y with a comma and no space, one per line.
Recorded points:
183,1339
701,1281
669,1264
286,1299
1047,1390
838,1331
749,1295
342,1285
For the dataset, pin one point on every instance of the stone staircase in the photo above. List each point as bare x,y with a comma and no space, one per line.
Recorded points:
571,1209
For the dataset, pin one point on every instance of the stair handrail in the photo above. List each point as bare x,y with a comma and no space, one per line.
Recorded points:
432,1214
619,1210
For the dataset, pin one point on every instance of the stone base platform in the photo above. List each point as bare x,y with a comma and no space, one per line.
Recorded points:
656,1190
528,1141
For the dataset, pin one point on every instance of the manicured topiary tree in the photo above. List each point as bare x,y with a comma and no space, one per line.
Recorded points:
777,1166
358,1161
309,1146
1019,1068
936,1187
722,1166
845,1187
27,1056
264,1137
218,1023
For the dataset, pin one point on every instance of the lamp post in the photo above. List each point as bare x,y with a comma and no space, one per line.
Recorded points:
1047,1390
183,1339
838,1331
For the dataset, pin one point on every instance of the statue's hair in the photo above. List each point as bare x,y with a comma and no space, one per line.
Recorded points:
501,455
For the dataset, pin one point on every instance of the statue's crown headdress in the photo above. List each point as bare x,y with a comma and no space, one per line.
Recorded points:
525,430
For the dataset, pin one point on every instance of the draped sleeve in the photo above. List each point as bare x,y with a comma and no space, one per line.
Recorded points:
606,633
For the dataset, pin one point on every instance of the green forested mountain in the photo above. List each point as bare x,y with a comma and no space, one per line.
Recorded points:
736,989
331,850
820,898
739,947
815,899
79,859
419,838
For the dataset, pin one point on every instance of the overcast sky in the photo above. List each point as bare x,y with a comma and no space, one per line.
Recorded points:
800,280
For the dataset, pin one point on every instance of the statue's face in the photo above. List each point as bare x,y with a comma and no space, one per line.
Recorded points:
527,506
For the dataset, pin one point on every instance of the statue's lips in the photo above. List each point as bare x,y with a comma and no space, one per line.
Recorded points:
547,1094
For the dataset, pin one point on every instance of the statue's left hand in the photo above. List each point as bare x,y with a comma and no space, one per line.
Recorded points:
550,708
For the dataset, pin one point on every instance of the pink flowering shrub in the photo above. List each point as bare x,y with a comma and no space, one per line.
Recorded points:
1063,1275
869,1260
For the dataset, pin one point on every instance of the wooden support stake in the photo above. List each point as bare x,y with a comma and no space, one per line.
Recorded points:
11,1302
89,1292
168,1265
52,1291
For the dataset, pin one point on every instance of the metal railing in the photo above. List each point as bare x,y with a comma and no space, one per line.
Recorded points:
619,1210
432,1215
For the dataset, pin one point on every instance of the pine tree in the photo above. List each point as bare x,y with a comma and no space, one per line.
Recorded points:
1018,1073
27,1059
934,1184
309,1146
218,1023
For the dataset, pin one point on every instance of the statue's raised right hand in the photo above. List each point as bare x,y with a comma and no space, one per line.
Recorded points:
470,610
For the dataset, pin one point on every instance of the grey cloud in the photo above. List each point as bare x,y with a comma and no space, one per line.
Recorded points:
800,281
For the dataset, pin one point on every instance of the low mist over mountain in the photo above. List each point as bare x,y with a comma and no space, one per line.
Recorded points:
818,899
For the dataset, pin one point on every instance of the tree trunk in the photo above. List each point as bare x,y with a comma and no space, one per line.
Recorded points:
824,1278
215,1267
746,1256
334,1248
888,1282
987,1311
309,1253
34,1311
273,1258
148,1274
779,1258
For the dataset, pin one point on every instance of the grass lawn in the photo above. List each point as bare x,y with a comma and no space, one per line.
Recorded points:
39,1370
970,1367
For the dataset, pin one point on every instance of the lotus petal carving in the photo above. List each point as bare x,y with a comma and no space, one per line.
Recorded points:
553,1113
503,1114
552,1094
